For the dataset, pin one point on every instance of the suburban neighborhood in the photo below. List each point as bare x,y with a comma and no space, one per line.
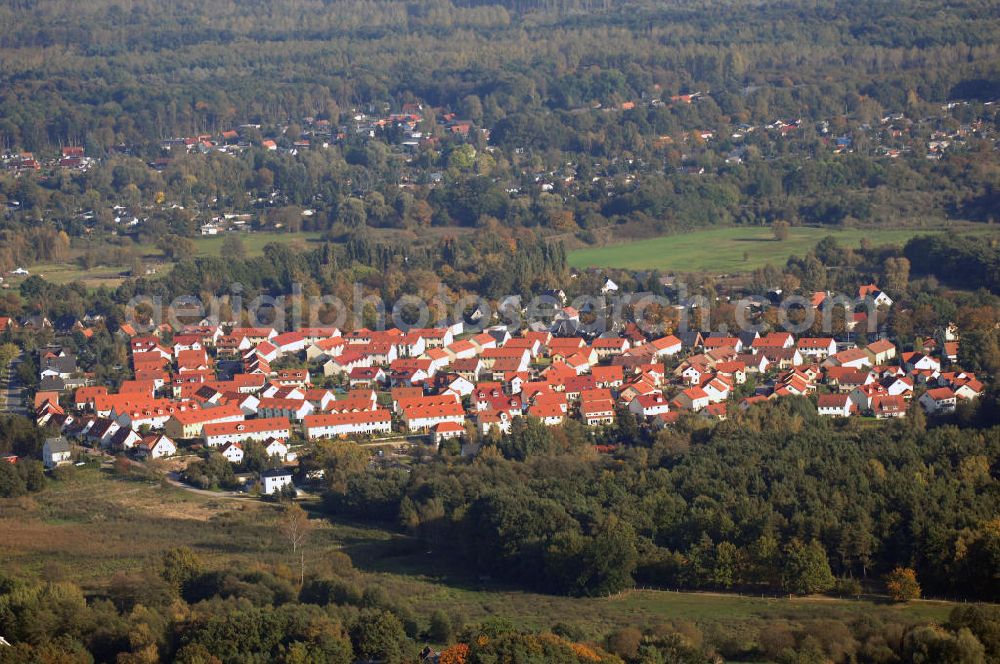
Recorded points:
214,389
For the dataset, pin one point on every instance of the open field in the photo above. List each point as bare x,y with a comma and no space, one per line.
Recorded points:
253,243
64,273
722,249
88,527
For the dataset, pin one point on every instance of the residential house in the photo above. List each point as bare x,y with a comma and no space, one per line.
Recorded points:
817,348
649,405
550,414
835,405
260,430
917,361
782,358
612,376
56,452
887,407
597,412
335,425
275,481
872,293
189,424
233,452
938,400
124,439
693,398
717,389
446,431
901,386
156,446
881,351
424,417
854,358
293,409
276,448
607,347
325,348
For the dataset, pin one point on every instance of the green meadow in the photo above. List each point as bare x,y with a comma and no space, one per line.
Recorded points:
735,249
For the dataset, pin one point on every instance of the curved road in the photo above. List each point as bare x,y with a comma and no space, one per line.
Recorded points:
173,479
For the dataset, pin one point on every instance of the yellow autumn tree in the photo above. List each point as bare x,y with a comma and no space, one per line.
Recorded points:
457,654
902,585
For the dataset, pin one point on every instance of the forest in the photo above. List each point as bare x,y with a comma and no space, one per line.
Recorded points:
575,131
776,499
237,617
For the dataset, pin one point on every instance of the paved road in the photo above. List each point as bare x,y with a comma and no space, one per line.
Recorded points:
11,391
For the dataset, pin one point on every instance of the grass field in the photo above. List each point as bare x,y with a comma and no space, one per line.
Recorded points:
253,243
722,249
87,528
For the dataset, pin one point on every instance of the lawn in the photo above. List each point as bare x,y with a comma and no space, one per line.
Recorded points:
87,528
68,272
734,249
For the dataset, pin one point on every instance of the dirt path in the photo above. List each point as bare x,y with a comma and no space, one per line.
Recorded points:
173,479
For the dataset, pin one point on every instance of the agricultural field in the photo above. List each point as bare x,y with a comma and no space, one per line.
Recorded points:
739,249
52,535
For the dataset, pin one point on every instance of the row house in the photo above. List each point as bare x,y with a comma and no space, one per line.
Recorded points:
422,418
336,425
290,409
189,424
260,430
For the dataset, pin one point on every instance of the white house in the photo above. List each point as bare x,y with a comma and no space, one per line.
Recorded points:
333,425
717,390
157,447
666,346
873,293
233,452
294,409
649,405
835,405
693,398
447,430
273,481
461,387
418,418
902,386
817,348
56,452
597,412
939,400
261,430
276,448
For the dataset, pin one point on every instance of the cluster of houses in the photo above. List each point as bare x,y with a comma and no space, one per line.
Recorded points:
322,133
72,158
221,387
